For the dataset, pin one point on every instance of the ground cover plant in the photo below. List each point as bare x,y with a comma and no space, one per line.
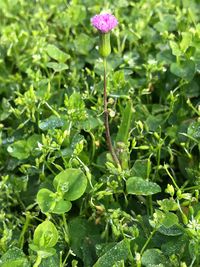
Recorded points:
63,199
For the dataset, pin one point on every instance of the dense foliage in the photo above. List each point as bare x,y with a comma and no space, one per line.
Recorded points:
63,202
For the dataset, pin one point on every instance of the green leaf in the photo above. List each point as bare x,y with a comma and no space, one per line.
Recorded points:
14,257
194,130
61,207
185,70
46,200
175,246
45,235
127,115
186,41
154,257
168,204
139,186
51,261
153,122
71,182
55,53
57,67
117,253
43,252
169,220
51,123
141,168
84,235
83,43
174,230
19,150
175,49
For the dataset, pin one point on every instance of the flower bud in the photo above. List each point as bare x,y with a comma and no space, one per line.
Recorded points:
104,46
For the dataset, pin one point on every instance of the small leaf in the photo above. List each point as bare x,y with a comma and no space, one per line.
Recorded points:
46,200
141,168
45,235
71,182
169,220
57,67
184,70
139,186
186,40
43,252
168,204
154,257
51,122
62,206
170,231
19,150
194,130
55,53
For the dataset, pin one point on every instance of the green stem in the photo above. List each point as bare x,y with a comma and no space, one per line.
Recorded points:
24,229
38,261
66,231
148,240
172,178
108,138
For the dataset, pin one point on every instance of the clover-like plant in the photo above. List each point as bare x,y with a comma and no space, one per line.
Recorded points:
69,185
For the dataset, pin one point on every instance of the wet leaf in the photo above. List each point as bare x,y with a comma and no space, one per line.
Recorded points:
154,257
55,53
72,183
117,253
139,186
14,257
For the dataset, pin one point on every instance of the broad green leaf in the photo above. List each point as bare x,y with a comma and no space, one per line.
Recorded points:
117,253
14,257
84,235
174,230
61,206
169,220
51,261
175,246
51,123
46,200
55,53
71,182
154,257
194,130
139,186
141,168
154,122
19,150
45,235
185,70
57,67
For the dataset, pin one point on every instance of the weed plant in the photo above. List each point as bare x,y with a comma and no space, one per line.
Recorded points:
63,200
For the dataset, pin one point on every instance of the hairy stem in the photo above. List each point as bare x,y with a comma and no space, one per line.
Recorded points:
108,138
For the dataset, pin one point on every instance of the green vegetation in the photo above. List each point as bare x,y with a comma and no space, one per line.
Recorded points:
63,201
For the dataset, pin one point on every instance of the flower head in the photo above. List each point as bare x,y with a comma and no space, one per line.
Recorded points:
104,22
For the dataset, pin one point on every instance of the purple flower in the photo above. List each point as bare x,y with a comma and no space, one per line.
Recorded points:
104,22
